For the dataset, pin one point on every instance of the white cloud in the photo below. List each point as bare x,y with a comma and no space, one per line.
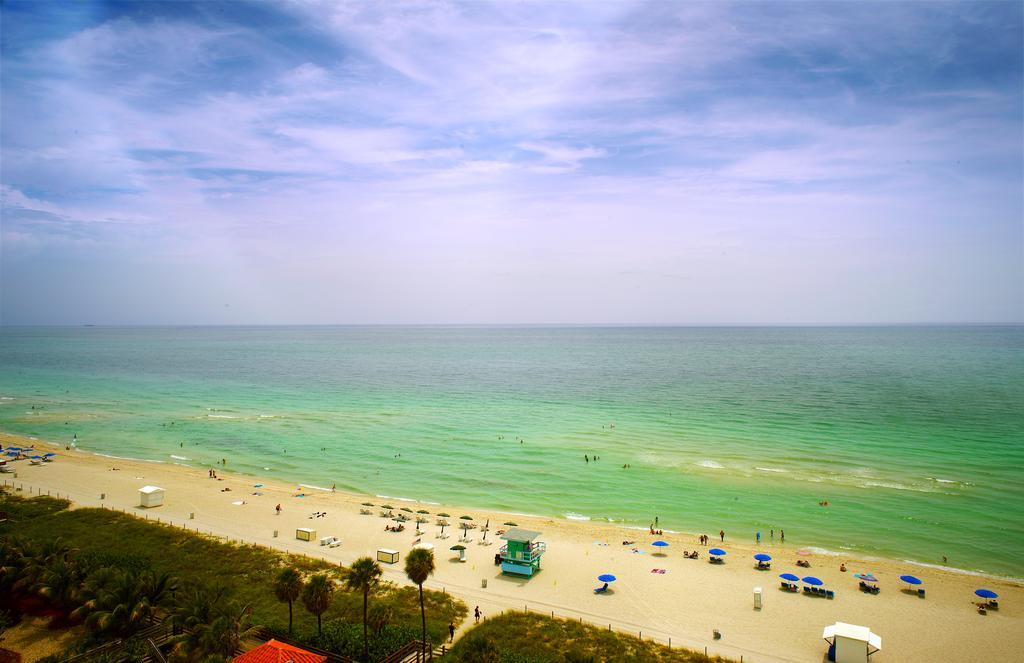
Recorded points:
450,141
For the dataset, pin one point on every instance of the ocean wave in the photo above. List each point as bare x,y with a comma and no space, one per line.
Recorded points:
306,485
575,516
770,469
179,457
966,572
269,416
950,481
710,464
141,460
220,416
894,486
400,499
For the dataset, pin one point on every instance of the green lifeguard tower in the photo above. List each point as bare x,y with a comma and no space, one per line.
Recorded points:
521,555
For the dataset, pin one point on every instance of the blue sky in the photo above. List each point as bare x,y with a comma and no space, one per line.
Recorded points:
512,162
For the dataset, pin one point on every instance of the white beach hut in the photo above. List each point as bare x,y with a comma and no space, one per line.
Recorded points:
150,496
849,643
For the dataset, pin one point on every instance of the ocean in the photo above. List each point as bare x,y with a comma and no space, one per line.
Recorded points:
914,435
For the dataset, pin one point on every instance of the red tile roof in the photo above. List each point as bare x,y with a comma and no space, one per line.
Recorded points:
273,651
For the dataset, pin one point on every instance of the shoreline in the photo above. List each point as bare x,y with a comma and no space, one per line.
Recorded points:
684,604
582,520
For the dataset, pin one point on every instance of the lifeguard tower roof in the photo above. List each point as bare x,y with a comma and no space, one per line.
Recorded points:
520,534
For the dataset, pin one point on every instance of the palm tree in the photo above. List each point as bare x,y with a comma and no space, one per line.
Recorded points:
288,587
362,576
122,601
419,565
222,636
61,583
317,595
213,623
24,562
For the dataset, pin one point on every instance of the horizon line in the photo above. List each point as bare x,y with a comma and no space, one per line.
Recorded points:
624,325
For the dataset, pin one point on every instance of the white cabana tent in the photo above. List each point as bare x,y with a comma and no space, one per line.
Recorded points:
424,546
150,496
849,643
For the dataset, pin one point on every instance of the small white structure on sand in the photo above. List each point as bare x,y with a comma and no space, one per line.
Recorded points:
849,643
150,496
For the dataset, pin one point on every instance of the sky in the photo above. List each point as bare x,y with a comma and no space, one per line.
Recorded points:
511,162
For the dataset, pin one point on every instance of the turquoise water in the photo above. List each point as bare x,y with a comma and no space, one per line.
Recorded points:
915,435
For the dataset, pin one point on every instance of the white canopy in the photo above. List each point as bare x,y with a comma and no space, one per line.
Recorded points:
150,489
424,546
853,632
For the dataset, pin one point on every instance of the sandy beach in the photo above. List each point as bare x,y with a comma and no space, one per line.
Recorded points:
685,603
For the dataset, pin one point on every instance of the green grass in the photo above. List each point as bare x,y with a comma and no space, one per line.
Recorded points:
248,570
521,637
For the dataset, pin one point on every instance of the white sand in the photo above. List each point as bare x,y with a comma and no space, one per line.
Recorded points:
685,604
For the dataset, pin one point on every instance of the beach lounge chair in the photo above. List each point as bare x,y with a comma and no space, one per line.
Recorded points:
763,566
992,605
830,594
920,593
602,589
715,560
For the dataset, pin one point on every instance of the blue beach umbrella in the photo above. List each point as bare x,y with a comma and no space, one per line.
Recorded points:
35,457
660,544
12,453
986,593
606,577
717,552
761,557
910,580
48,455
789,576
811,580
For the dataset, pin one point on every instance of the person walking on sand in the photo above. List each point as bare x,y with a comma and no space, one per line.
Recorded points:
759,536
451,632
278,509
476,613
721,533
782,535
